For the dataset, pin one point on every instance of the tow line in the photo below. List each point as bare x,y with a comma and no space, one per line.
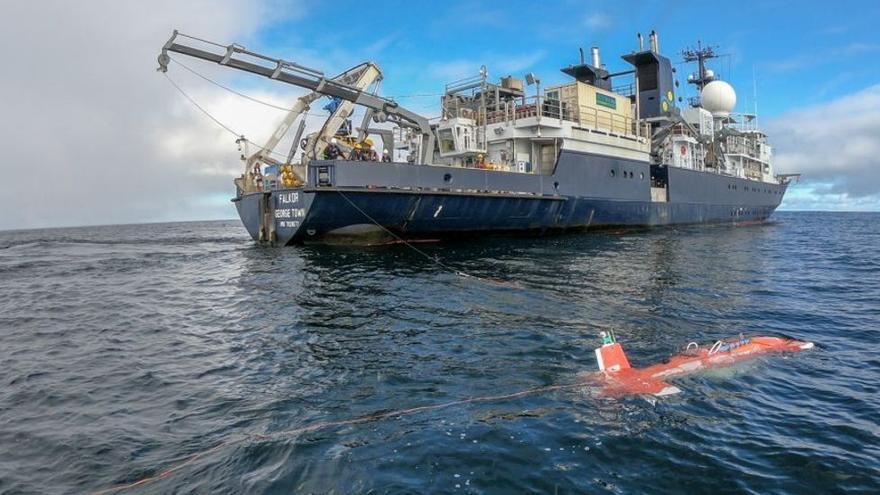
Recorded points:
377,416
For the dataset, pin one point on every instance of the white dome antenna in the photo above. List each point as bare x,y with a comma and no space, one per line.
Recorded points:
719,98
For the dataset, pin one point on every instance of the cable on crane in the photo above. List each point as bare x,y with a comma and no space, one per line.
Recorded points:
201,108
236,92
272,105
215,119
418,95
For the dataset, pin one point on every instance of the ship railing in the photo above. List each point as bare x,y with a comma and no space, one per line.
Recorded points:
531,107
549,108
743,122
742,146
584,116
466,83
602,120
625,89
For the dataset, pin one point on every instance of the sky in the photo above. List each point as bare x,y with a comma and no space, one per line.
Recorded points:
94,135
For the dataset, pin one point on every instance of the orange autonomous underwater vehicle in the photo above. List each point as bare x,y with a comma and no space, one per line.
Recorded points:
619,378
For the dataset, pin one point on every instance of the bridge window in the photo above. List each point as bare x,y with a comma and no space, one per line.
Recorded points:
447,141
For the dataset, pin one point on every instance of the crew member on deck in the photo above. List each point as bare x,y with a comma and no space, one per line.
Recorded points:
258,176
481,161
356,154
386,157
368,153
332,151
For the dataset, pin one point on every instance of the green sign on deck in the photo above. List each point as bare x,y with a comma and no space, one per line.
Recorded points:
606,101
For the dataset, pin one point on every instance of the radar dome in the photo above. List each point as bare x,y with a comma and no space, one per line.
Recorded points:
718,98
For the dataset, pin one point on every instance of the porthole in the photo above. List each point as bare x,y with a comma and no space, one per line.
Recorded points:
641,176
612,172
447,178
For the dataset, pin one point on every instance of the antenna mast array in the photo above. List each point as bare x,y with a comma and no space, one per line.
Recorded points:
700,54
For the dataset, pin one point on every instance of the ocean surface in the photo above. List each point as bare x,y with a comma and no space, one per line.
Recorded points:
126,351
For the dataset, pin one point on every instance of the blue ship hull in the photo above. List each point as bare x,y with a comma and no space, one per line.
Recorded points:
373,203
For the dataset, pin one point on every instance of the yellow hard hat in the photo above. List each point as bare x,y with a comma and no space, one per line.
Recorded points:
368,142
357,146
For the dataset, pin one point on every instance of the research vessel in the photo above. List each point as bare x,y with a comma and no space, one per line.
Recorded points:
604,149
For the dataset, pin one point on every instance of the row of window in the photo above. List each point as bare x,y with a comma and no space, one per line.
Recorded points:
628,174
754,189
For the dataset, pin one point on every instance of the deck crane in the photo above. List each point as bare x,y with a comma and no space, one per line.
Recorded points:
364,75
350,87
360,76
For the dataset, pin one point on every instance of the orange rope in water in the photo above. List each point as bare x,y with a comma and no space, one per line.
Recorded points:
330,424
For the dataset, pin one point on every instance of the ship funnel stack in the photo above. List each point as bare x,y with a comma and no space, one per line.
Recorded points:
654,84
581,50
641,42
594,52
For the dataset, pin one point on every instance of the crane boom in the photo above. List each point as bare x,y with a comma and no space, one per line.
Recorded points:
362,77
302,105
304,77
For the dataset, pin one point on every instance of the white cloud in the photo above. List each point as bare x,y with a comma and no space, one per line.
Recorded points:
381,44
598,21
805,60
94,135
835,145
498,65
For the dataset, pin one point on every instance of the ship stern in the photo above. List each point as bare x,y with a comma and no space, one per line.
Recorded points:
274,218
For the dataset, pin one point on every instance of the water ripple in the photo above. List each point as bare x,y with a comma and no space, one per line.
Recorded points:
126,348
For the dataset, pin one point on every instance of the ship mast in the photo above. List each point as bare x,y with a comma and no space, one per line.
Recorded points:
700,54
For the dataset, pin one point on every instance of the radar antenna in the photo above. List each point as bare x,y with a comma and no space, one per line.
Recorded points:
700,54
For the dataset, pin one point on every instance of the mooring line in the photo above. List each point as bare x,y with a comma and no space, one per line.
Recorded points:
408,244
378,416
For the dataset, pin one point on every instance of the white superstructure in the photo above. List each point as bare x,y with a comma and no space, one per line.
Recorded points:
497,126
